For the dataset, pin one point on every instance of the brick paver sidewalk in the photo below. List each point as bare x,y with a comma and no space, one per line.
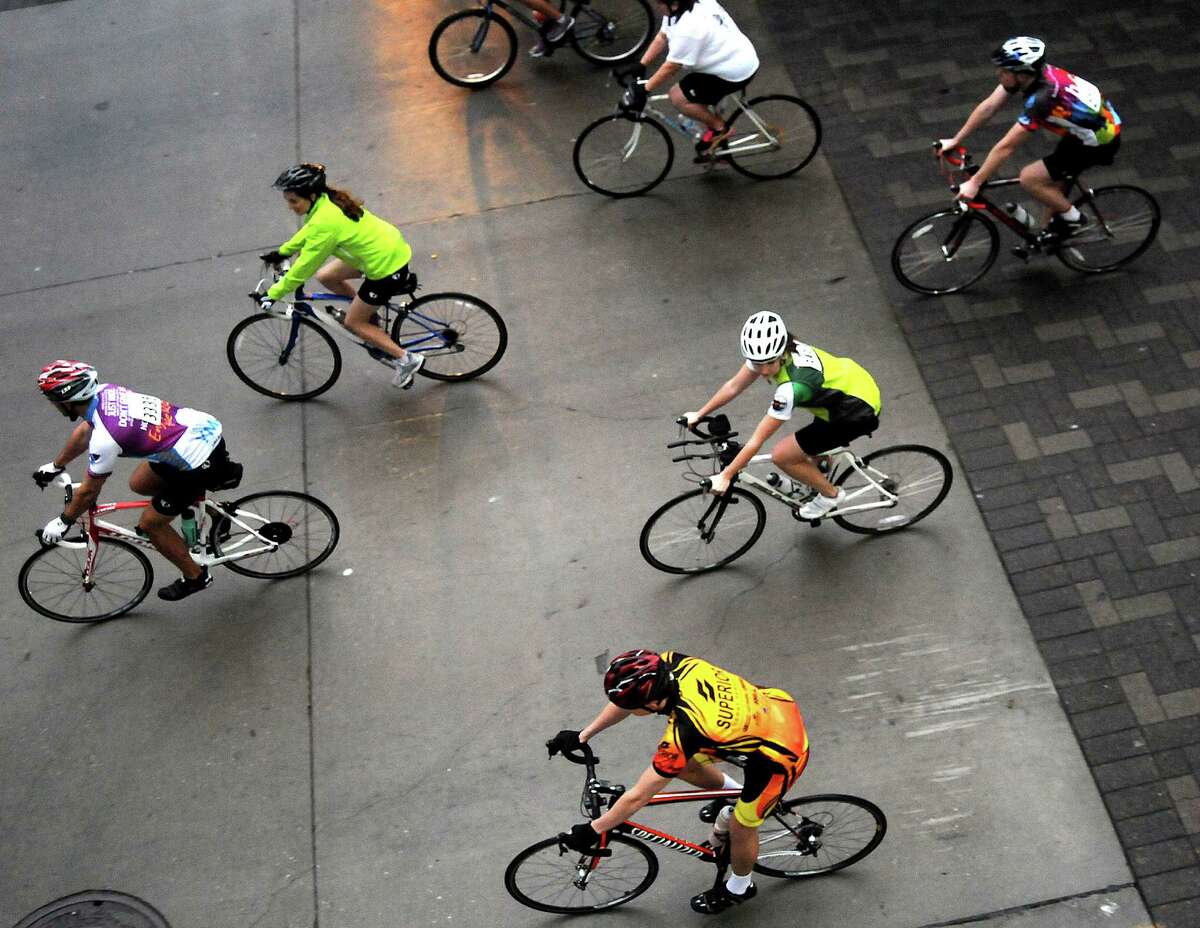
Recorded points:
1073,402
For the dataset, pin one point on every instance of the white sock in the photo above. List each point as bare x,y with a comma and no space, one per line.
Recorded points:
737,884
561,19
730,783
1071,215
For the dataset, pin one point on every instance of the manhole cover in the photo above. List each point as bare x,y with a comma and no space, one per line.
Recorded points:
96,908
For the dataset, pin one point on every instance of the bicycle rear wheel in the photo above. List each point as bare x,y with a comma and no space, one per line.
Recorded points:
920,477
51,582
696,532
304,528
611,31
623,155
258,353
945,252
789,126
815,835
472,49
543,878
460,336
1124,221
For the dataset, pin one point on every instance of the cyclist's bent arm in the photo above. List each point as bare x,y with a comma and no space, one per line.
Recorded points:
318,246
766,428
608,717
663,76
75,446
987,108
729,390
1001,152
85,497
649,783
654,50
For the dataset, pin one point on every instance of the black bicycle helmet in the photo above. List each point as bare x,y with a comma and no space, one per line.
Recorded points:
305,179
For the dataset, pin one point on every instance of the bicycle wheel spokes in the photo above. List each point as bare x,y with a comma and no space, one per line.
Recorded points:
1124,222
818,834
472,49
779,139
304,529
945,252
623,156
543,878
460,336
695,532
609,31
917,476
51,582
258,353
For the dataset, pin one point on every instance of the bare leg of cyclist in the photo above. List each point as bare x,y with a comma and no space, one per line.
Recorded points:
791,459
170,543
1038,182
336,275
697,111
705,776
743,847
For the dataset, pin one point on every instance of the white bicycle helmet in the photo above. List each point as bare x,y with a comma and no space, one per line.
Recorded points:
1022,53
764,337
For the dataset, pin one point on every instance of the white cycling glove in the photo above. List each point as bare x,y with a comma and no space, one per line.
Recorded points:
55,529
45,474
692,418
265,302
718,484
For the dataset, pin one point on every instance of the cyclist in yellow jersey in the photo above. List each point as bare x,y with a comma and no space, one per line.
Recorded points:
843,398
358,244
711,714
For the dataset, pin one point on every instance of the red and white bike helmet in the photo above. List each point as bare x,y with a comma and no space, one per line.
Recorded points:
65,381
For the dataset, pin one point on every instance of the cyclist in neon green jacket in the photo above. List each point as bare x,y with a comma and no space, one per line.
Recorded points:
355,243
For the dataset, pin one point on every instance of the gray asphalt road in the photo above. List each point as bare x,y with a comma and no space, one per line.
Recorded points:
362,746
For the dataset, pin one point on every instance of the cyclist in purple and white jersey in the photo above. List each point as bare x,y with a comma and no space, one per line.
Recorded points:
183,451
1057,101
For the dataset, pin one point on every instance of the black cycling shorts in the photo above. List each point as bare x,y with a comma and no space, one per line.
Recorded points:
184,487
378,292
819,436
708,89
1071,157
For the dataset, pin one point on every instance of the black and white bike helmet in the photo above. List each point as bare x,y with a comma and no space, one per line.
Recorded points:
1020,54
764,337
306,178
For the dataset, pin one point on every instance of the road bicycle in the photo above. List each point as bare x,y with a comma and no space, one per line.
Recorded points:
805,837
886,490
101,573
287,352
947,251
475,48
628,153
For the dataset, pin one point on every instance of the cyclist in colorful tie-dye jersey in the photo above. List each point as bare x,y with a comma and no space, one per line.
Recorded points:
183,451
1057,101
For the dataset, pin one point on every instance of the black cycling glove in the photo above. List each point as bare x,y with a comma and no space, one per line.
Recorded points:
272,257
582,838
566,740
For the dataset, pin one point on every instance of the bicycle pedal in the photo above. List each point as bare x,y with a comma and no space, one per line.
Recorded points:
1021,253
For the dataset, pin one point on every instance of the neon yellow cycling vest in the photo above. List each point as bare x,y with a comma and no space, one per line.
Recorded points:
827,386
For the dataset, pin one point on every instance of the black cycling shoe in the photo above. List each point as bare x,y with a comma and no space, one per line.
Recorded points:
716,900
182,588
710,810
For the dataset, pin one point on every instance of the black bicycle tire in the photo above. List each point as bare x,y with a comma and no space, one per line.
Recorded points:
745,495
816,124
1065,254
870,807
632,118
31,602
947,469
627,56
238,567
440,28
514,865
96,909
249,381
970,216
488,310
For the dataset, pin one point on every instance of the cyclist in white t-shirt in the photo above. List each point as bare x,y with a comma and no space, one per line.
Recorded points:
700,36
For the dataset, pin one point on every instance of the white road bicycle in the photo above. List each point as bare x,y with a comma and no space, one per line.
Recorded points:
886,490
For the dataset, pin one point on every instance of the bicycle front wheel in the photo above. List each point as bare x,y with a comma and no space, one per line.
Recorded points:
51,582
919,477
696,531
472,49
544,878
945,252
1124,224
623,155
460,336
304,529
611,31
816,835
777,137
258,353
